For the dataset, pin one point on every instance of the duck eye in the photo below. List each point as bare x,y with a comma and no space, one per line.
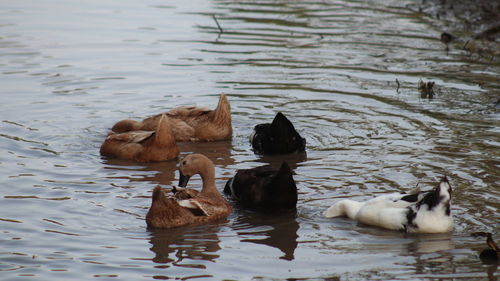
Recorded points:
183,163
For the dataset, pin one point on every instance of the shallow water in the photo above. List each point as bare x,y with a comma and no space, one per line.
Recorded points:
70,69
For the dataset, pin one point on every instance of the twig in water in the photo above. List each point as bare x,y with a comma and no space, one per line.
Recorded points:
397,90
218,25
466,49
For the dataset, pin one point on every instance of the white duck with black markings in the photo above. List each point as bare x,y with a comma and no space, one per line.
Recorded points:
423,212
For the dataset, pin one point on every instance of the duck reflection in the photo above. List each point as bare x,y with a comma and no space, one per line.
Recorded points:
164,172
490,271
432,243
280,231
220,152
292,159
155,172
490,256
183,245
432,253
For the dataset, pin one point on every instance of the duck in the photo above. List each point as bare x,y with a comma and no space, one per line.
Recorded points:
189,206
421,212
278,137
263,188
189,123
488,255
142,146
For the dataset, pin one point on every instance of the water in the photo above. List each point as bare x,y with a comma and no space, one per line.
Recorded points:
70,69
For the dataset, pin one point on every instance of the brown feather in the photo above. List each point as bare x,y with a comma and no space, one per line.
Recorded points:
190,123
205,206
142,146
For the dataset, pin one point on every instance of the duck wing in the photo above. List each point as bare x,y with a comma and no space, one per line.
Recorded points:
131,137
248,183
264,187
391,200
194,206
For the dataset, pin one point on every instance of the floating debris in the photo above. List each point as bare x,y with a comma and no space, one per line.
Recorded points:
426,89
218,25
447,37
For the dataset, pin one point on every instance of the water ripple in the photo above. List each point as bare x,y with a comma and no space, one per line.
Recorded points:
346,73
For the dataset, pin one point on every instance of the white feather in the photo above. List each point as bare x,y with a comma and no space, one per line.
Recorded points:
192,204
391,212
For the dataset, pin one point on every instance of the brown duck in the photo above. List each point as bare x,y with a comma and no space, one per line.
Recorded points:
491,255
143,146
188,206
189,123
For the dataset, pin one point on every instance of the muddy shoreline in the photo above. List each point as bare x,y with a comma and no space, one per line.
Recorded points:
473,16
475,23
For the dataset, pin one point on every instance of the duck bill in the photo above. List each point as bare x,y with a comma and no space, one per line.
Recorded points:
183,180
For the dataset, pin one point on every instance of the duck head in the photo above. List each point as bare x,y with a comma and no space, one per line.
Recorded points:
194,164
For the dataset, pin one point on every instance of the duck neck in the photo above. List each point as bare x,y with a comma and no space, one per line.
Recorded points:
208,179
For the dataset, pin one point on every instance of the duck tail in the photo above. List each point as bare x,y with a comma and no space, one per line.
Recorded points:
342,208
158,194
285,133
282,123
441,194
164,136
163,212
445,186
222,112
284,187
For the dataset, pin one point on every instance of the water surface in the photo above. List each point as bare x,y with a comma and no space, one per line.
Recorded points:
345,73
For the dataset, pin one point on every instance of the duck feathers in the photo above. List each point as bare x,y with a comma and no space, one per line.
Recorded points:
190,123
491,255
278,137
188,206
172,214
131,137
264,188
142,146
425,212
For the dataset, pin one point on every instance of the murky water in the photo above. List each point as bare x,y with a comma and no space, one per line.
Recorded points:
70,69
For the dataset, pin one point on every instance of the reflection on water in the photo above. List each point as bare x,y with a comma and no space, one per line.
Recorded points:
157,172
492,269
165,172
279,230
182,246
293,160
345,72
219,151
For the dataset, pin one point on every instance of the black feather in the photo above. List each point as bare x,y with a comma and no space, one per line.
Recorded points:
279,137
264,188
